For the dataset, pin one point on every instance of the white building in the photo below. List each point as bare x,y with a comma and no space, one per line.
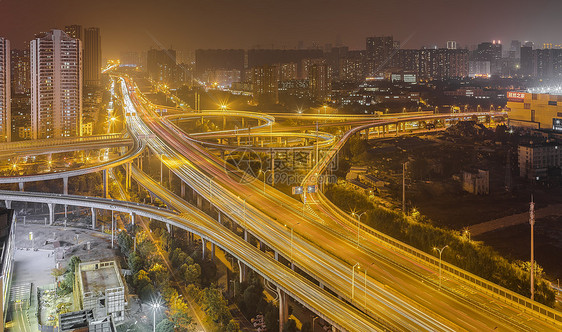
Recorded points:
5,95
56,85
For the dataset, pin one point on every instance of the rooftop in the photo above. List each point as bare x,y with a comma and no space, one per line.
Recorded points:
99,276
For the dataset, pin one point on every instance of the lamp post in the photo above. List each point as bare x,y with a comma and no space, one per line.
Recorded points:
155,306
532,223
358,216
353,280
292,233
265,178
313,320
440,252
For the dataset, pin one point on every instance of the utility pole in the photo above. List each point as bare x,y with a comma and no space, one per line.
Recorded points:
532,222
404,187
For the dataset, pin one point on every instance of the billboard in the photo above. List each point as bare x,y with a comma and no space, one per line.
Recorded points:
516,96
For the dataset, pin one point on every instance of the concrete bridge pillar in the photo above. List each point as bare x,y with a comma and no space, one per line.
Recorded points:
132,218
94,218
199,201
170,178
212,251
21,186
283,309
65,185
105,185
8,204
246,235
276,255
182,194
51,213
203,248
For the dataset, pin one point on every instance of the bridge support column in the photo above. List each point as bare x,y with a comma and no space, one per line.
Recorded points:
203,248
65,212
283,309
8,204
212,251
245,235
51,213
276,255
127,176
170,178
105,186
133,218
321,284
21,186
242,269
182,194
199,201
65,185
94,218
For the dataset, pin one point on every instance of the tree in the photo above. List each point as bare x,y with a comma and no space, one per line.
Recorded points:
178,313
125,242
215,305
74,261
165,325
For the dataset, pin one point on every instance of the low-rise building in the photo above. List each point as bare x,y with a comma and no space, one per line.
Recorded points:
535,160
84,321
6,260
100,288
477,183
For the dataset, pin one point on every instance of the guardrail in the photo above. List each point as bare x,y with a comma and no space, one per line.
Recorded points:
56,141
488,287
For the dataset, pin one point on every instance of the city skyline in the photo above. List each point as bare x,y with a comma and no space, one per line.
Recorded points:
221,24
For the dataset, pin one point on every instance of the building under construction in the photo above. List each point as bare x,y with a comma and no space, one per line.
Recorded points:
99,287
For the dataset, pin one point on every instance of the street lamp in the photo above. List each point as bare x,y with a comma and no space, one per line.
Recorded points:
440,252
292,237
264,178
155,306
313,320
353,280
358,216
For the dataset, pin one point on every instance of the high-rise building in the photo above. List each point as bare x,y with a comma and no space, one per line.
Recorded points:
74,31
287,71
451,45
161,65
380,51
319,82
92,57
490,51
352,67
211,60
265,85
129,59
56,85
526,67
5,88
21,82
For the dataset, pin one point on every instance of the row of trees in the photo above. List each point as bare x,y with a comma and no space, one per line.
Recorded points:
418,232
163,266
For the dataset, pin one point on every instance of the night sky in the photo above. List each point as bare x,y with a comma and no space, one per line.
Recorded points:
191,24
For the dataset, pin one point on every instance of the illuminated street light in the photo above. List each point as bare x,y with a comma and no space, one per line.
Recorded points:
358,216
155,306
440,252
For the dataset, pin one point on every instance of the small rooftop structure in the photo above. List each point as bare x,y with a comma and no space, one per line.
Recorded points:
100,288
83,321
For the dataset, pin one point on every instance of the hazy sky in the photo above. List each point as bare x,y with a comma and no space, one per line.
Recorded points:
191,24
